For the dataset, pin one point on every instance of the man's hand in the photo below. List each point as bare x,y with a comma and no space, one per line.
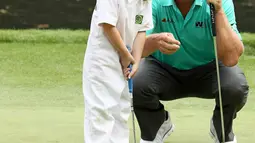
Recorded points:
167,43
217,4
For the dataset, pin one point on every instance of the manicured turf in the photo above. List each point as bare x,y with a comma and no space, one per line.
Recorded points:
41,97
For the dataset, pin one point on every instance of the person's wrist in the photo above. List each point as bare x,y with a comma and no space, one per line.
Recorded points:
220,11
124,53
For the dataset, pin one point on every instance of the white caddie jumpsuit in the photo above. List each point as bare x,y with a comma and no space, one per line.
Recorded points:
107,101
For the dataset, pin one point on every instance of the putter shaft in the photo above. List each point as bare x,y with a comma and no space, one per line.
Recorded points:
212,9
220,96
130,87
133,117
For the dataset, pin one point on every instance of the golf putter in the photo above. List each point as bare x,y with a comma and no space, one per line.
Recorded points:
212,11
130,87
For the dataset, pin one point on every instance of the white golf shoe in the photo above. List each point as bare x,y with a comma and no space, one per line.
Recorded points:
214,135
164,131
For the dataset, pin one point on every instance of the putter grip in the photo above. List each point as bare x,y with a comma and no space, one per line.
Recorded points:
130,80
212,11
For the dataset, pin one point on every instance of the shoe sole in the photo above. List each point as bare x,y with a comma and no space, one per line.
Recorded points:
169,132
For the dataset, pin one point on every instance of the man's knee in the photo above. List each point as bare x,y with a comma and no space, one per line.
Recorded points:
145,93
236,92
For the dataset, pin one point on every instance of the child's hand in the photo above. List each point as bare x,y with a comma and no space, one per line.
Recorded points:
131,74
134,70
126,60
126,73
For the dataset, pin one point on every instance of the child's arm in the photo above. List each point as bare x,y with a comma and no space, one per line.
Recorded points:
137,51
107,13
115,39
139,42
138,46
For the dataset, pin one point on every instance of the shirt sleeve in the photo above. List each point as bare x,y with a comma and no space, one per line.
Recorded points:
154,17
229,10
107,12
147,21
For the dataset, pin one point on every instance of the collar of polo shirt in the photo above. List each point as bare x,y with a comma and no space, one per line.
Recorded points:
171,2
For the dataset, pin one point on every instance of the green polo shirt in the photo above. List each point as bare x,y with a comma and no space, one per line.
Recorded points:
193,31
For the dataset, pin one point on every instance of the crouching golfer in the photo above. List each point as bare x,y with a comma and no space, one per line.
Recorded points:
181,63
115,25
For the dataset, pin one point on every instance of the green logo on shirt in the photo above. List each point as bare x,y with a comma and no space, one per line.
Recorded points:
138,19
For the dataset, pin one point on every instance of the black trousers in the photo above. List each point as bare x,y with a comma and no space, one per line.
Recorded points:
157,81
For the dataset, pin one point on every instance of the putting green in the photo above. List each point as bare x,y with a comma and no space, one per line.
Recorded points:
41,98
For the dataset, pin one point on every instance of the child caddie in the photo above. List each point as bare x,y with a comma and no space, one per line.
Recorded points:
115,25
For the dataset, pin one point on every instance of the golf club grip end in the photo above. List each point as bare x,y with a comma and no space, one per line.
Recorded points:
213,20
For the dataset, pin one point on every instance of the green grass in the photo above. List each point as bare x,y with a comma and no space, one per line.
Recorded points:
249,41
46,36
41,97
